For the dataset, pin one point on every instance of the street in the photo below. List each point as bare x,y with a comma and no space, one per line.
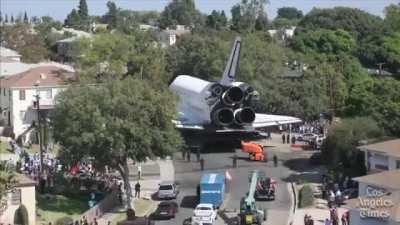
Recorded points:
188,175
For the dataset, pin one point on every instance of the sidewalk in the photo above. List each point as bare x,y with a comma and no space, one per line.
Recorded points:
319,215
149,185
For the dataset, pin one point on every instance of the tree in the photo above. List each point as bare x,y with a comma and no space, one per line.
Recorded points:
246,13
339,149
324,41
6,18
112,15
1,17
106,56
216,20
83,11
392,18
355,21
28,44
180,12
12,18
290,13
73,20
116,122
26,20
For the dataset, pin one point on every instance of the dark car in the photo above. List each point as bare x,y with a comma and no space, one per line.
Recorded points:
165,210
316,159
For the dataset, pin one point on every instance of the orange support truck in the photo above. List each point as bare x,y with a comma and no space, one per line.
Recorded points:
255,151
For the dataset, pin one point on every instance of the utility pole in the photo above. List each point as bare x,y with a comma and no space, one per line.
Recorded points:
39,127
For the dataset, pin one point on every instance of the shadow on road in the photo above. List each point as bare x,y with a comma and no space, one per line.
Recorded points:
189,201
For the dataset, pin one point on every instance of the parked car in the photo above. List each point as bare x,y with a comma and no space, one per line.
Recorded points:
316,159
204,214
350,193
167,190
165,210
308,137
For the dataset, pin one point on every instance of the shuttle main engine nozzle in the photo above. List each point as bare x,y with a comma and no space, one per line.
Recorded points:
244,116
223,117
232,96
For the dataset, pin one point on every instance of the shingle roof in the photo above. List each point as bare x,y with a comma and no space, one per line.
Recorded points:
391,147
387,179
45,75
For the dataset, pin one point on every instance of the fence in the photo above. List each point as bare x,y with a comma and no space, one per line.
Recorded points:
107,204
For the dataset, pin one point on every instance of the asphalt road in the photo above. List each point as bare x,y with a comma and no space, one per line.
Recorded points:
188,174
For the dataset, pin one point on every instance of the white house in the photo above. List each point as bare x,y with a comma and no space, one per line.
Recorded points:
382,156
19,93
169,37
9,54
379,200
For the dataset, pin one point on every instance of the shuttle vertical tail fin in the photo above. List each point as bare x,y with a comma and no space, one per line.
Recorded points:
230,69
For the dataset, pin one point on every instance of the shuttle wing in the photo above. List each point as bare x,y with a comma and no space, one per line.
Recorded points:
267,120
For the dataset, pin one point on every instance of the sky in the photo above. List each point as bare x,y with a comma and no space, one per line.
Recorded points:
59,9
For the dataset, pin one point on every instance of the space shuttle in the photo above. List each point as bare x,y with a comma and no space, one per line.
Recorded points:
222,109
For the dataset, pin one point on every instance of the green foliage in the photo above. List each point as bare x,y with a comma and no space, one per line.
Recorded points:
290,13
324,41
180,12
78,19
359,23
247,14
116,120
392,19
20,38
339,149
306,197
216,20
107,56
26,20
83,11
7,178
112,15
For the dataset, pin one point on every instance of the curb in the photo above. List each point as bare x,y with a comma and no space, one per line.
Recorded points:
293,198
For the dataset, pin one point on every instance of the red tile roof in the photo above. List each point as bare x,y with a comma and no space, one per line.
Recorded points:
42,76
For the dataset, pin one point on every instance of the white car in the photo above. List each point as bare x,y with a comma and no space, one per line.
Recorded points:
204,214
308,137
168,190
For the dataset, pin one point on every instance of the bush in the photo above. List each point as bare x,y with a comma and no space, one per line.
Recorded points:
64,221
306,197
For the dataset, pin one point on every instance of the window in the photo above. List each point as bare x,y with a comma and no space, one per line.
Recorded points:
4,91
21,94
45,94
22,115
397,164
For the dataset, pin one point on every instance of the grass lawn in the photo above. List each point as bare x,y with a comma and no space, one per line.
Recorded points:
3,147
52,207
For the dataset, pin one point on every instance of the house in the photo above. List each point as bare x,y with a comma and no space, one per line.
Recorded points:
9,54
382,156
21,198
64,46
19,93
282,33
379,199
169,37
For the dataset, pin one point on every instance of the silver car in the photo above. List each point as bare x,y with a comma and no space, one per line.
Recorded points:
167,190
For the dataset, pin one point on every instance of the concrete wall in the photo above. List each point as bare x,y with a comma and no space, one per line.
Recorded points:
28,199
